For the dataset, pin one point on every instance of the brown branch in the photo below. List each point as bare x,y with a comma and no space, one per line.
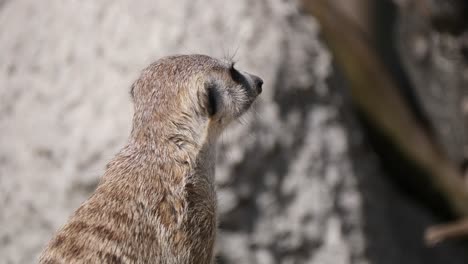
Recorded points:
439,233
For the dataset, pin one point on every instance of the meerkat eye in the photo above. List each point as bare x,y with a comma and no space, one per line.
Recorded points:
214,99
231,65
235,74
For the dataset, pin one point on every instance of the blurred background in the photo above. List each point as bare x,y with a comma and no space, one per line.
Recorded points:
356,153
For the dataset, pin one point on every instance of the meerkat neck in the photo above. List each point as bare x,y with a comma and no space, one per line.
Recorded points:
190,145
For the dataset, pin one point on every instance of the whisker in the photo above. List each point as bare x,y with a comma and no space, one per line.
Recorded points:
233,58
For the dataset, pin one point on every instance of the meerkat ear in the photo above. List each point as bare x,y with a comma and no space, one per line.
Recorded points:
213,98
132,92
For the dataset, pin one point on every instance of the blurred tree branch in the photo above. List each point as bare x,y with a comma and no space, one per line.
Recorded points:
439,233
376,94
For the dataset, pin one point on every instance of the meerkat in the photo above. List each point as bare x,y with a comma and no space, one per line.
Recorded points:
156,202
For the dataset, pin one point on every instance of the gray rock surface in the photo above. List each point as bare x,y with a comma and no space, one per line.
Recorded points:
437,63
295,183
284,173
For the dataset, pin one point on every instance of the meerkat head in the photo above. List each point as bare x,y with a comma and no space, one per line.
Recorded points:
188,90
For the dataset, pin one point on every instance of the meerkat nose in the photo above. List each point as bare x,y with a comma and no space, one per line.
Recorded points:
258,83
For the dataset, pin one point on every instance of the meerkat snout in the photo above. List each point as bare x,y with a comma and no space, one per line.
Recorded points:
156,202
258,83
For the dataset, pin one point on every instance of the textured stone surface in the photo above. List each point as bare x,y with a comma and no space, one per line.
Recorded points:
284,175
437,63
295,184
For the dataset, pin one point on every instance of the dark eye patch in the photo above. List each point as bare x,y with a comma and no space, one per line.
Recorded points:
236,75
214,98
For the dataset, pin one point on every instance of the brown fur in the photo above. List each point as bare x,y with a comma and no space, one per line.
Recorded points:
156,202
